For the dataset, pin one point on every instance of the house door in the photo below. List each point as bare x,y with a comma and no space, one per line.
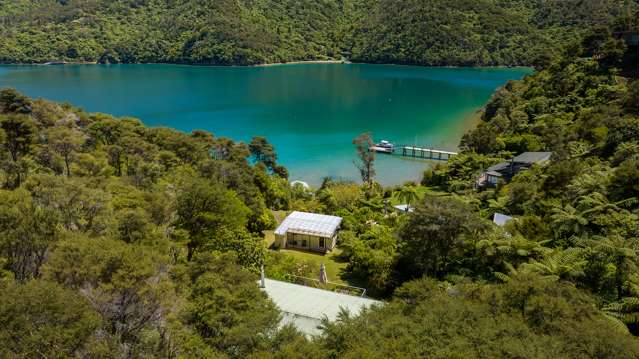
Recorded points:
321,242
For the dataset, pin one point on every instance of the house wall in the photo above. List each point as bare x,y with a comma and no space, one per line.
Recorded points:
308,242
492,179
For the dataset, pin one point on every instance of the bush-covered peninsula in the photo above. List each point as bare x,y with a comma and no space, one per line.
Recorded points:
248,32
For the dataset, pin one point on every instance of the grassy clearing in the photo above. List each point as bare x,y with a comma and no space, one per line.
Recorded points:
335,268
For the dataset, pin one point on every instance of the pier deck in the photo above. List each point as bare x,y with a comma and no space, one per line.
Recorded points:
430,153
416,152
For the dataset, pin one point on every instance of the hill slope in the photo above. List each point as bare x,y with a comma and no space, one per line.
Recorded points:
245,32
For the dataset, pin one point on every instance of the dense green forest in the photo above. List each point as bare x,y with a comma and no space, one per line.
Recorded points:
119,240
245,32
123,241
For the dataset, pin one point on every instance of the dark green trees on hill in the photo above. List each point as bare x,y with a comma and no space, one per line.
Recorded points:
123,241
577,216
118,240
196,32
441,32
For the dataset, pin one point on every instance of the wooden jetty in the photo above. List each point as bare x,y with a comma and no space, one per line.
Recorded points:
429,153
412,151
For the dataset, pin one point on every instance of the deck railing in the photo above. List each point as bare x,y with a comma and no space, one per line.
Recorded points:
333,287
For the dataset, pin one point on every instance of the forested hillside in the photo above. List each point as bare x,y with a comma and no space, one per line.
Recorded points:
440,32
473,32
123,241
577,217
225,32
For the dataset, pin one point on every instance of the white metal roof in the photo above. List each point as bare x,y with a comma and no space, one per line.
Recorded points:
304,307
309,223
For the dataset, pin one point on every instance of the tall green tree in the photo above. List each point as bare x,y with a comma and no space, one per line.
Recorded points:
128,285
204,208
27,231
366,164
527,317
227,309
436,235
66,142
20,132
11,101
263,151
43,319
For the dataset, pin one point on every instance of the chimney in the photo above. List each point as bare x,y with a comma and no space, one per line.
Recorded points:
262,279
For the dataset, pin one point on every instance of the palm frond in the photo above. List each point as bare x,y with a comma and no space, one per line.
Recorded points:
617,324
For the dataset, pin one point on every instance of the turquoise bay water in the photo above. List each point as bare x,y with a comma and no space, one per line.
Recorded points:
310,112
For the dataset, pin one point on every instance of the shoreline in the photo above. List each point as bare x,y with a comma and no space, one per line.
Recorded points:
270,64
301,62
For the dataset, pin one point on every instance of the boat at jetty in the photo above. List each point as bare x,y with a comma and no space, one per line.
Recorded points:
383,147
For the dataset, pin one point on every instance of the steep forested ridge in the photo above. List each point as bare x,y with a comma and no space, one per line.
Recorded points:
578,216
441,32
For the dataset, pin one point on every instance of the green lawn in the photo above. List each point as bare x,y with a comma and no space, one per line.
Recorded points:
335,268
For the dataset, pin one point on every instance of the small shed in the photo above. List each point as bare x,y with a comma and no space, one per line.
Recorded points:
501,219
308,231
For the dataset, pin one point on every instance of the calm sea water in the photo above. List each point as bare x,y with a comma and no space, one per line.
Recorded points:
310,112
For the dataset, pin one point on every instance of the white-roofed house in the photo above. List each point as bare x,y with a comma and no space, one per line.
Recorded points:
308,231
305,307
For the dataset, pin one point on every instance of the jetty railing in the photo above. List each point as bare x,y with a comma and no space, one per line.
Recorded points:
416,152
426,152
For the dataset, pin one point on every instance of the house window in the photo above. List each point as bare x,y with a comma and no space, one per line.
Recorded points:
304,243
321,242
291,239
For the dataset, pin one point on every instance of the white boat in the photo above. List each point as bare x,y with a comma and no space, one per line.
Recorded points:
384,147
